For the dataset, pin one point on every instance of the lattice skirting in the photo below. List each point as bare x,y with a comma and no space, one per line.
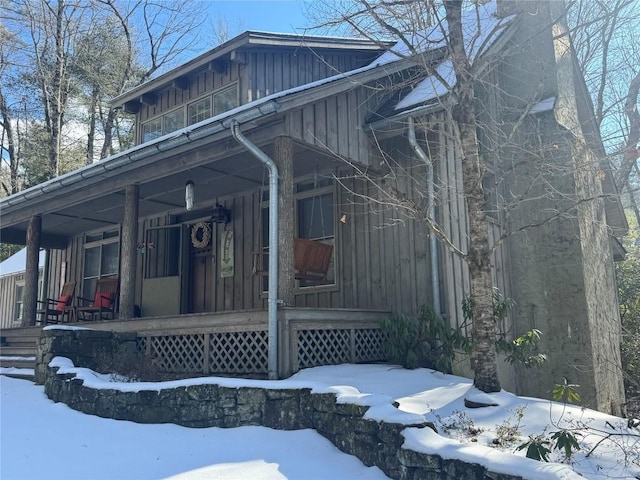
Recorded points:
332,346
246,352
222,352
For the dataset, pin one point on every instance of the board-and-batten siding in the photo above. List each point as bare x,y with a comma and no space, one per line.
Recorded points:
258,73
201,83
335,124
271,71
453,218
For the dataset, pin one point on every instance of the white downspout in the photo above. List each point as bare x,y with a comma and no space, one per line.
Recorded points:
272,301
431,208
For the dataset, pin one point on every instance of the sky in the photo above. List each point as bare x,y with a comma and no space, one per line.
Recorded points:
42,439
280,16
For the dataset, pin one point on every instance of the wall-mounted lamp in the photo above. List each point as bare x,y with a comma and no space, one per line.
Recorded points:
188,195
220,214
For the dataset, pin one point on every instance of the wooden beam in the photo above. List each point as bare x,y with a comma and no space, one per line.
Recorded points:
128,252
219,65
47,240
148,98
132,107
181,83
29,300
283,158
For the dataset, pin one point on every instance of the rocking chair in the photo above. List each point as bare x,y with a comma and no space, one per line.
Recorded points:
52,310
103,304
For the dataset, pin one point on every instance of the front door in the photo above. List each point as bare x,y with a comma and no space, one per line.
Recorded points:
162,279
202,267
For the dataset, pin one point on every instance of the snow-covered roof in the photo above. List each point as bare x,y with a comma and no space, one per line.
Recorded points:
481,28
431,87
17,262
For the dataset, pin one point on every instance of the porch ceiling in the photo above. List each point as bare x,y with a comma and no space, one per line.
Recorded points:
159,193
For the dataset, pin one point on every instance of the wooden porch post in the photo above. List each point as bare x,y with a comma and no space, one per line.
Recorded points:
30,295
128,260
283,158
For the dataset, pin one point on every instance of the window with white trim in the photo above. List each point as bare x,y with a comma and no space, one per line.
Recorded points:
18,308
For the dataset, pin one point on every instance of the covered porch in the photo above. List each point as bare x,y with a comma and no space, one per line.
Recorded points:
236,343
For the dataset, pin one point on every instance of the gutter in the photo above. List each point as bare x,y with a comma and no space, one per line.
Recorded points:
142,154
431,208
272,301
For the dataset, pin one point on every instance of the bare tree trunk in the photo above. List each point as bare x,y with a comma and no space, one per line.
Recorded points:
283,158
632,147
30,297
95,92
128,263
107,126
473,168
7,129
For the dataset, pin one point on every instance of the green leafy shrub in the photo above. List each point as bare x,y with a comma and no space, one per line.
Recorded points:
521,350
426,340
537,448
422,340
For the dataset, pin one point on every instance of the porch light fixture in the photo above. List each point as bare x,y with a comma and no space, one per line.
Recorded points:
220,214
188,195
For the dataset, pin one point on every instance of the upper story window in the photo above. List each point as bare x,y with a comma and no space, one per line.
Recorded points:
174,121
151,130
199,110
225,100
220,101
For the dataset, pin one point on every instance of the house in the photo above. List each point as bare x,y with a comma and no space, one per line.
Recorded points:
12,287
237,158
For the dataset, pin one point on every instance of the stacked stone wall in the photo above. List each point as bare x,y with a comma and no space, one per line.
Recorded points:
212,405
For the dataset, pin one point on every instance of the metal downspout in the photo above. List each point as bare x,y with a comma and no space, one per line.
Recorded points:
433,241
272,301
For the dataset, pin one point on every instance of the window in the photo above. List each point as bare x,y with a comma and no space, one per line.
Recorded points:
316,222
315,210
101,259
200,110
174,121
151,130
225,100
221,101
18,305
162,251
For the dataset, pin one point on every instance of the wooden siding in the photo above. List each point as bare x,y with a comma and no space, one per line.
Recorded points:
271,71
200,84
258,73
8,284
335,124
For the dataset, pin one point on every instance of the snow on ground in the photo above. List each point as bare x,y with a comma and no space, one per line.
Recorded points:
40,439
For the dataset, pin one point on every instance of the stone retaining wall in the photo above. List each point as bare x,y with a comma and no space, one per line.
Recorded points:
213,405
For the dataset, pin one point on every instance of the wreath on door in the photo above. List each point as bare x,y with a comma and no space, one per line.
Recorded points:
200,235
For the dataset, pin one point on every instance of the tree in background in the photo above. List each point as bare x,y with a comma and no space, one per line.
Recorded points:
605,36
628,272
68,58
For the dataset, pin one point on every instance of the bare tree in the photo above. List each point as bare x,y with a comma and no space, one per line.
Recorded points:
608,50
451,43
8,140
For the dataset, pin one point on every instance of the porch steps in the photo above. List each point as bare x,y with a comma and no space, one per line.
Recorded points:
18,352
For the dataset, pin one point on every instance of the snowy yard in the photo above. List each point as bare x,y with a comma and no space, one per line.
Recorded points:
41,439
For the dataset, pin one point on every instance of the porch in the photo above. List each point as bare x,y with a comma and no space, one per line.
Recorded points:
236,343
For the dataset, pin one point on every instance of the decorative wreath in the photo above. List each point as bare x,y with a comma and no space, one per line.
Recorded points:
200,235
